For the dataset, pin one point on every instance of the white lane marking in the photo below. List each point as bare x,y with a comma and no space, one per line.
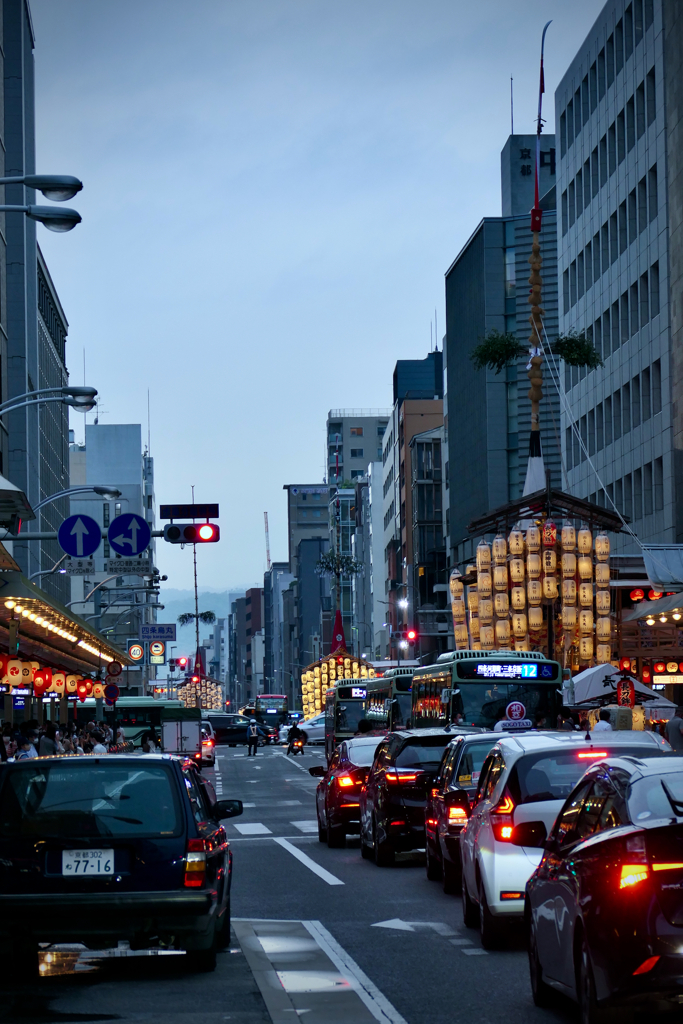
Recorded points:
255,829
248,805
378,1005
309,863
258,839
303,982
475,952
410,926
289,803
460,942
305,826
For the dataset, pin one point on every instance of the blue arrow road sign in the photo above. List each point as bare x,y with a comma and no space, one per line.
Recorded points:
129,534
79,536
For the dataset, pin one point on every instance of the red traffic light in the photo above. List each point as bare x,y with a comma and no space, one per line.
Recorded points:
195,679
182,662
192,533
411,634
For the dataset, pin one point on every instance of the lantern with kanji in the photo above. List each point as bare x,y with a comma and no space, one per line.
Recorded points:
483,556
626,693
499,550
516,542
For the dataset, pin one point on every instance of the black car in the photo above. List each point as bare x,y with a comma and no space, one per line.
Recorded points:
338,792
445,816
604,908
97,850
392,801
232,729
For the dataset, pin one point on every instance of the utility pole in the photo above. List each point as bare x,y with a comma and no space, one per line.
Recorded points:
265,517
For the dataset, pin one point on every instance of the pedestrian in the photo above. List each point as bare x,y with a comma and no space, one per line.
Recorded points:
604,724
674,731
48,741
252,737
25,749
585,725
98,745
540,720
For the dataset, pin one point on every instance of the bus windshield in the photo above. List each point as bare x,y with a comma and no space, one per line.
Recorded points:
484,704
349,714
271,709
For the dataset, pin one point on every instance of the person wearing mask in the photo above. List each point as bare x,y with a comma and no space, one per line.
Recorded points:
604,724
674,731
252,737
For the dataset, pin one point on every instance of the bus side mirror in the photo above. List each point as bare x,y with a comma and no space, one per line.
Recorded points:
317,771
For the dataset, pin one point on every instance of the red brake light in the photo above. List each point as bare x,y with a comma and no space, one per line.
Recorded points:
632,874
195,864
399,775
501,819
345,781
646,965
458,814
506,806
594,755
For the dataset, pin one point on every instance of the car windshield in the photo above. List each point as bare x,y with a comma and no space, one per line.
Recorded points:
75,800
648,798
422,752
362,754
469,768
552,775
349,714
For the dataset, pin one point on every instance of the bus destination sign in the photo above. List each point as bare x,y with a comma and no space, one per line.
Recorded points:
508,670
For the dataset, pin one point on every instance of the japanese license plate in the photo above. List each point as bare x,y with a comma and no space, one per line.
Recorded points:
87,862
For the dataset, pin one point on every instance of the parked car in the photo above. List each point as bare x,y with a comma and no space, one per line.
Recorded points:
312,728
445,817
232,729
604,908
526,777
392,802
338,792
98,850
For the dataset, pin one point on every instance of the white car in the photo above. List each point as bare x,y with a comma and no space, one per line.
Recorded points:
313,729
525,779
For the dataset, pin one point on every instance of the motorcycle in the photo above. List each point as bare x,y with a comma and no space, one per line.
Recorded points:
296,746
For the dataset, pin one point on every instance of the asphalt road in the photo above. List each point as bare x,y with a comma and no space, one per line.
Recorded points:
306,942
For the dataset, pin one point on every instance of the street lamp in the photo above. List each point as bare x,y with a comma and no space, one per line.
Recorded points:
57,187
110,493
81,398
53,219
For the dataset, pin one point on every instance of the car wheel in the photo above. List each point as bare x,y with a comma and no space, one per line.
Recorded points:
431,864
223,930
541,992
590,1012
469,910
322,832
450,877
384,853
489,928
336,836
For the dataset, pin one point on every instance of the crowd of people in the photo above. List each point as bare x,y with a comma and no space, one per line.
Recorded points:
29,739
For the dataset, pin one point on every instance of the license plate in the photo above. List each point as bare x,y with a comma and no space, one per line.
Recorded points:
87,862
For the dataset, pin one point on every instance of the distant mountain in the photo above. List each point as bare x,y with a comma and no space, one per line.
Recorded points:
176,602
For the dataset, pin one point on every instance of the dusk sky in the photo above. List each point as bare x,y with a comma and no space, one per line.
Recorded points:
273,193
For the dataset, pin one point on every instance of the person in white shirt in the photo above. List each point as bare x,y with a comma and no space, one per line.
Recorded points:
98,745
604,725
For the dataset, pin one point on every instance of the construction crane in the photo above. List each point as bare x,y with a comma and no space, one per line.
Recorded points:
265,517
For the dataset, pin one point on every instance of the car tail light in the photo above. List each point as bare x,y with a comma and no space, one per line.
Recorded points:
195,864
501,819
646,965
457,815
505,895
345,781
593,755
399,775
632,874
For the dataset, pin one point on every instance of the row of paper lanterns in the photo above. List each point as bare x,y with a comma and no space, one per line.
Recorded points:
17,673
516,576
210,693
334,669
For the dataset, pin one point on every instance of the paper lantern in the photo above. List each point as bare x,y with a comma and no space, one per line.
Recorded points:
487,638
602,547
46,673
363,672
586,648
483,556
484,585
88,686
455,584
473,601
347,673
35,665
458,610
500,577
568,537
517,570
534,592
586,620
474,627
603,628
586,595
4,661
81,688
549,561
14,672
602,602
476,645
550,588
460,634
585,567
39,684
516,542
568,563
549,534
533,566
519,624
316,671
602,574
485,610
568,616
518,598
499,550
535,617
533,539
522,645
347,663
58,682
603,654
584,541
502,631
71,684
98,691
26,673
501,606
569,591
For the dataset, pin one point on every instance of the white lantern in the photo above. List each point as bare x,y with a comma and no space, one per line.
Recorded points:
568,616
473,600
516,542
484,584
586,620
517,570
586,648
460,633
500,550
458,609
518,598
603,629
586,595
568,537
569,591
455,584
534,592
474,627
519,624
500,577
487,638
535,617
568,563
549,560
602,574
585,567
486,610
602,602
483,556
602,547
584,541
523,644
501,606
533,539
550,588
603,654
533,566
502,631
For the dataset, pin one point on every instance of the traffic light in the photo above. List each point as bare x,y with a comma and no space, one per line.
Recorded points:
181,663
408,636
171,664
192,533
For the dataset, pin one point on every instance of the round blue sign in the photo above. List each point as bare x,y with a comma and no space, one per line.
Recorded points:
79,536
129,534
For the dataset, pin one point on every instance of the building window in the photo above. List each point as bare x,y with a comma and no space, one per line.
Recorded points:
647,489
568,447
632,216
600,437
644,300
510,282
642,204
615,326
616,417
653,201
637,494
117,509
656,387
610,60
356,474
630,124
634,309
356,431
612,145
626,408
646,393
356,453
651,96
640,110
659,484
624,318
106,512
565,213
654,290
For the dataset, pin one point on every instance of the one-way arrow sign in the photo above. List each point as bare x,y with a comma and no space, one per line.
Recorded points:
79,536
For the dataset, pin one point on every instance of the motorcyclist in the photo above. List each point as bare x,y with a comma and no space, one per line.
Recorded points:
294,734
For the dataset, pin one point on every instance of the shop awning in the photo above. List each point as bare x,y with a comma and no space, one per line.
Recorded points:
49,631
13,502
600,681
664,565
662,606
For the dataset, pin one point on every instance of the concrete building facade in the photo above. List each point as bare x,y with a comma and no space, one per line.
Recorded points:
354,440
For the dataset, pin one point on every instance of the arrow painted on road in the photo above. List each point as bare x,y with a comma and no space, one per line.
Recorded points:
81,531
133,541
411,926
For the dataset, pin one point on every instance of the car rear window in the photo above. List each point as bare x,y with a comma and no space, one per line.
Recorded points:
73,799
222,721
648,798
422,752
362,754
553,775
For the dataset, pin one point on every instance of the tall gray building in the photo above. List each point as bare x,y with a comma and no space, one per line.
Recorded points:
613,109
354,440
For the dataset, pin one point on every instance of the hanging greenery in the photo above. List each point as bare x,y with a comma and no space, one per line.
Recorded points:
332,564
576,350
187,617
496,351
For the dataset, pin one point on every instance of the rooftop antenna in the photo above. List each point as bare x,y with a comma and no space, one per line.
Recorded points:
436,332
512,110
431,337
265,519
149,445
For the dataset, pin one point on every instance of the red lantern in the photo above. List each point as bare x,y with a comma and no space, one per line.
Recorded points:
549,534
46,673
660,666
637,594
654,595
88,686
39,683
626,693
625,664
647,674
4,659
81,690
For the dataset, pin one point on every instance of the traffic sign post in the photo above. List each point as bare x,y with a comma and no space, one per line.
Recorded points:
128,566
79,536
136,651
114,668
80,566
157,652
129,534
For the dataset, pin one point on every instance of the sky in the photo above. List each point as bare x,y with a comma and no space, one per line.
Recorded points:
273,191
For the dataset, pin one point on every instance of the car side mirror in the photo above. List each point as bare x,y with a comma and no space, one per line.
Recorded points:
458,798
530,833
227,809
317,771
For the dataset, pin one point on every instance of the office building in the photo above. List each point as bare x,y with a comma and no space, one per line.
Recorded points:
275,581
354,440
253,625
306,516
368,629
616,160
488,414
429,577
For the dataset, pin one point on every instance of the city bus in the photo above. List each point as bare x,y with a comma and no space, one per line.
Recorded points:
267,708
384,702
484,687
136,715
